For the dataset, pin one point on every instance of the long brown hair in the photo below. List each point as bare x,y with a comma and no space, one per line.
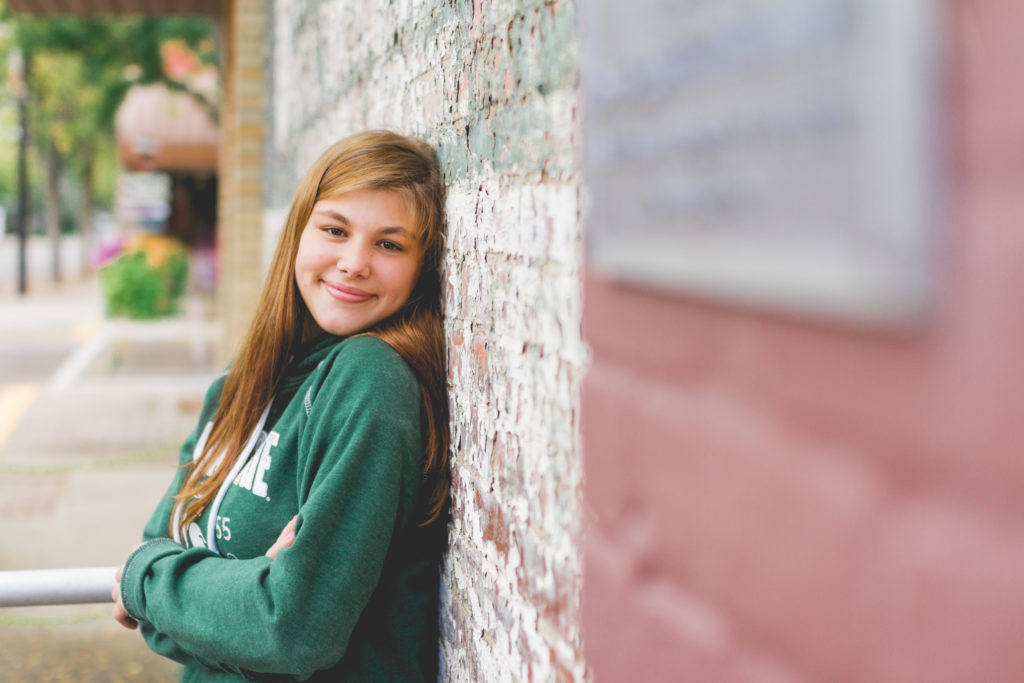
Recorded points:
372,160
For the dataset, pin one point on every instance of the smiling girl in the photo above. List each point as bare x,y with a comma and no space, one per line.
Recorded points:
301,537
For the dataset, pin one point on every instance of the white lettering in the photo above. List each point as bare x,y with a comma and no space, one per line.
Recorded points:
223,532
244,478
251,475
259,487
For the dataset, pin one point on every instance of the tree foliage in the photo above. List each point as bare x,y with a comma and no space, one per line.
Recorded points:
117,53
82,68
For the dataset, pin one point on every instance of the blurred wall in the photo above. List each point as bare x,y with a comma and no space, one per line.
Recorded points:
492,86
781,499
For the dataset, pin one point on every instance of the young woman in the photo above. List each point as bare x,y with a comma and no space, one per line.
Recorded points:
302,534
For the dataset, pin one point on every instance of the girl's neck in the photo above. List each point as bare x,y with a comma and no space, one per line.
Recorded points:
310,330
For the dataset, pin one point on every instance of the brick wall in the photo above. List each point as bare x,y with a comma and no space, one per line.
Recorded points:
783,500
492,86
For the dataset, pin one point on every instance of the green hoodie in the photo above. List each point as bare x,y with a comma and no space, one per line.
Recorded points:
355,596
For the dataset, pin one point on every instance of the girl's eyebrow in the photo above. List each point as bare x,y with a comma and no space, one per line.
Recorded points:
395,230
333,214
341,218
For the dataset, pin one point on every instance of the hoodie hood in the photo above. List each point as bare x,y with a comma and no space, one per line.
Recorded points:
306,359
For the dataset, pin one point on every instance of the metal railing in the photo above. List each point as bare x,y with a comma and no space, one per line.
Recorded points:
33,587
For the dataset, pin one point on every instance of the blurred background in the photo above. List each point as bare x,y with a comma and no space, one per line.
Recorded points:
119,122
108,186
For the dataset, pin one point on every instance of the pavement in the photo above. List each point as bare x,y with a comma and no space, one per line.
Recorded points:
92,414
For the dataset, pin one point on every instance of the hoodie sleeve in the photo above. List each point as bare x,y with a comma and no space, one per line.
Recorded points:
361,459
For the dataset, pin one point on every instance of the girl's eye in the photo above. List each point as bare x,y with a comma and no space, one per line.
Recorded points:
334,232
391,246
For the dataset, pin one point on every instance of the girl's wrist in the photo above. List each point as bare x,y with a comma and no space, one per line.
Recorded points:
132,598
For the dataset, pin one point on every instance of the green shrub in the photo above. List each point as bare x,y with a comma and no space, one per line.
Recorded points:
177,274
135,288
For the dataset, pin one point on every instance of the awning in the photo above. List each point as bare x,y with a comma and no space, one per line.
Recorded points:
157,129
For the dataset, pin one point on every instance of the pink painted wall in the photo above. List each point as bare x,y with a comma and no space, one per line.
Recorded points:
779,499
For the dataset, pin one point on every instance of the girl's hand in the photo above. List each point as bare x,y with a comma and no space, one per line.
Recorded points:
120,614
286,538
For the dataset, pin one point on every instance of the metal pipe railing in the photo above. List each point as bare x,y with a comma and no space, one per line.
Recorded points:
32,587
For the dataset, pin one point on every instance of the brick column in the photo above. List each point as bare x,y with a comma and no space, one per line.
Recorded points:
241,167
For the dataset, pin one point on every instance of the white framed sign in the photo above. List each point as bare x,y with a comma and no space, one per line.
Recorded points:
774,153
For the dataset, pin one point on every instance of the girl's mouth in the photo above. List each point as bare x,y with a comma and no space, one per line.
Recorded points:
350,295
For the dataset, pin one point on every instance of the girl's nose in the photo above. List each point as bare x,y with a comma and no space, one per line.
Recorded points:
354,260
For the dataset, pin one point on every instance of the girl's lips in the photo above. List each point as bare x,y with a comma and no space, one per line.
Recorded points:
349,295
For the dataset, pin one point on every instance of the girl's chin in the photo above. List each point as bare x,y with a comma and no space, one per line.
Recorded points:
345,328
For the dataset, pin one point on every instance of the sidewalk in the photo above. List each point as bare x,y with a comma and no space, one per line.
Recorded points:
92,413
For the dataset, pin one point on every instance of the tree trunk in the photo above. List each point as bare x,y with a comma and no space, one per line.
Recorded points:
85,210
53,209
22,224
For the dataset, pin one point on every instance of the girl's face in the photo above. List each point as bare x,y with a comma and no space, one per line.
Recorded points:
358,260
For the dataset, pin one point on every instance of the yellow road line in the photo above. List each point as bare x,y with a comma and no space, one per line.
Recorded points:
15,400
